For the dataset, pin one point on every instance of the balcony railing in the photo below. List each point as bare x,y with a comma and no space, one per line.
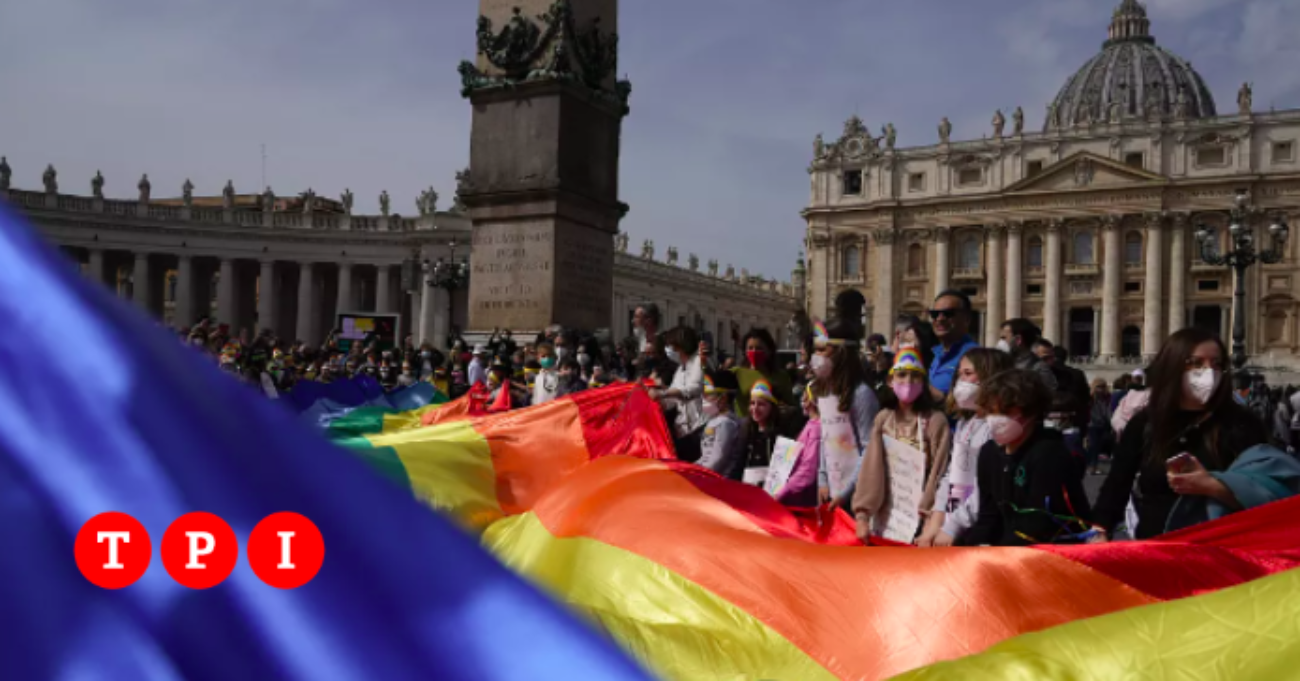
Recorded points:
968,274
1077,270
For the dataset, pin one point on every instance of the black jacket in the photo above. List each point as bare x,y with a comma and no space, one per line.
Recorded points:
1021,493
1237,428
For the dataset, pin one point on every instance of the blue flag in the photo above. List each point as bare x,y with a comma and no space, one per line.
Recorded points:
103,410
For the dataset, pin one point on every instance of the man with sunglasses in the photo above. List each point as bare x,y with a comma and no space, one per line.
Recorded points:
951,317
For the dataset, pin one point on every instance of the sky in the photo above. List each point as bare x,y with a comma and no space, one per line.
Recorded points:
727,94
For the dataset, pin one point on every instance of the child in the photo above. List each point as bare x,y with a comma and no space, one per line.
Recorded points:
841,381
1029,488
800,489
911,418
957,504
765,424
547,386
721,446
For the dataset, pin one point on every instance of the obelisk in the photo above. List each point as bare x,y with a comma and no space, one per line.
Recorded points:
542,186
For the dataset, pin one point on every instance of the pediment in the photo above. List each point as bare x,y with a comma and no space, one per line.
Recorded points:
1086,171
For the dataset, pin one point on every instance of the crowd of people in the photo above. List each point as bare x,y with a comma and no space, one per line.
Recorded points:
996,442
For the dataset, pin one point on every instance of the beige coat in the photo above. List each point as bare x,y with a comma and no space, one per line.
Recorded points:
873,483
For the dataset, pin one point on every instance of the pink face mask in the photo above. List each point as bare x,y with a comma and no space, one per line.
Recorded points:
907,393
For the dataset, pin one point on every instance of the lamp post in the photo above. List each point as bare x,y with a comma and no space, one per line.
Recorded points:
449,275
1240,258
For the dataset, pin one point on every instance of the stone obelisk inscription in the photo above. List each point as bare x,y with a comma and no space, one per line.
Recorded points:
542,187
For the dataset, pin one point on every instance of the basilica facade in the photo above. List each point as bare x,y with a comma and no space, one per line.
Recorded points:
1087,227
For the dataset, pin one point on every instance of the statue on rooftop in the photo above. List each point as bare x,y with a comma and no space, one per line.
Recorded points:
97,185
672,255
945,130
187,193
1018,119
347,199
648,249
228,195
819,147
145,188
891,136
713,267
308,201
620,242
383,203
693,261
5,173
51,179
1245,99
999,123
268,200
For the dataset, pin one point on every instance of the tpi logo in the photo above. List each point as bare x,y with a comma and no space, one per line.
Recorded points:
199,550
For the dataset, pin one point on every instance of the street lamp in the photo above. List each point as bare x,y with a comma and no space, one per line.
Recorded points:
449,275
1240,258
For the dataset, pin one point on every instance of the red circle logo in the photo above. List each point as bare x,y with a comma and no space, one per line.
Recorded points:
286,550
199,550
113,550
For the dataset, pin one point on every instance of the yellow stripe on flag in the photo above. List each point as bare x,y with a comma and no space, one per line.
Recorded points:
1251,631
674,626
450,468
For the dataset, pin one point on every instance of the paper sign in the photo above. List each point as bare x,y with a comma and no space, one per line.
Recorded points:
756,475
905,470
839,446
961,470
785,453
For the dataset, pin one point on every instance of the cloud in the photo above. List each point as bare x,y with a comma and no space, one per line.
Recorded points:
728,94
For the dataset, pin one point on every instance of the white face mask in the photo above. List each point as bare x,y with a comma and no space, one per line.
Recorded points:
1004,346
821,366
584,359
1004,429
711,408
965,393
672,356
1200,384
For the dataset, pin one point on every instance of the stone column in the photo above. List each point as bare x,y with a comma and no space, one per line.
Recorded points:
994,289
1015,273
1178,273
1052,324
417,304
384,288
344,303
306,302
95,268
226,293
140,291
1152,290
884,293
429,301
942,268
183,314
1111,271
266,293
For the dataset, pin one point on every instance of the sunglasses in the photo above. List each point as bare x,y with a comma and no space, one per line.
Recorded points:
944,314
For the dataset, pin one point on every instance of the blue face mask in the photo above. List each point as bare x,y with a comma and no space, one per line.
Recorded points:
547,362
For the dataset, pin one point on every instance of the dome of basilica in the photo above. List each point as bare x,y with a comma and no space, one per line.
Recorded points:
1132,78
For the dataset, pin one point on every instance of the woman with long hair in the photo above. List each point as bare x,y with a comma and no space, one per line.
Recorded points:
838,373
1191,426
759,362
768,421
909,416
956,506
683,400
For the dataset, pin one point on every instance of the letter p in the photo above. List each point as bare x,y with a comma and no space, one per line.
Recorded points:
201,544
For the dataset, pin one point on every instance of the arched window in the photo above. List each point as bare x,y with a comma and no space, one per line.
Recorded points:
1083,249
968,255
1275,327
1133,249
1035,257
852,266
915,260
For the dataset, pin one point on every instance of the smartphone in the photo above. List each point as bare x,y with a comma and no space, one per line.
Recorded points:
1179,463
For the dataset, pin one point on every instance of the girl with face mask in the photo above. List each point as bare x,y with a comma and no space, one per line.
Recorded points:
909,417
800,489
721,443
1190,433
759,362
957,504
847,405
1028,484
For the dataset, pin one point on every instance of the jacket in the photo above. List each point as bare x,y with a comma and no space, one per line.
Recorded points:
873,479
1022,492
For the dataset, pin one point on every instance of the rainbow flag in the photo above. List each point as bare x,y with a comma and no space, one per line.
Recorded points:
704,578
